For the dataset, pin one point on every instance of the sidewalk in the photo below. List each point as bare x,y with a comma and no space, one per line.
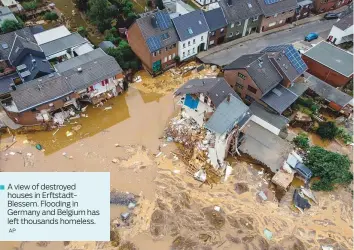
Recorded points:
253,36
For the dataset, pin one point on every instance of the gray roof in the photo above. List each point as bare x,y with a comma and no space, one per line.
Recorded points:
287,59
215,19
153,26
276,120
277,7
327,91
194,21
240,9
345,22
6,81
261,70
332,57
40,91
106,44
279,98
9,38
304,2
6,14
95,67
264,146
63,43
227,114
22,47
216,89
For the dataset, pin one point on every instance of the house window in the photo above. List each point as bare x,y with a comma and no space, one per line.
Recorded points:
231,34
184,54
248,98
193,41
251,89
201,38
238,23
255,19
166,48
211,42
305,13
193,50
222,30
154,54
212,33
276,14
174,45
239,85
281,21
169,57
184,45
283,13
237,33
189,52
190,31
165,59
272,24
232,25
174,55
241,76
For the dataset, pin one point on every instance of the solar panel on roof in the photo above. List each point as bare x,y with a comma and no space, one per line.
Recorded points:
294,57
163,20
271,1
21,67
154,43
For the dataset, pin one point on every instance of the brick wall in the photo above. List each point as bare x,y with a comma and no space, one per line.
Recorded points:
235,81
217,38
276,21
321,6
325,74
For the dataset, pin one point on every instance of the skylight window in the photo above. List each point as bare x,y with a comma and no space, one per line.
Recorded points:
200,22
190,31
249,5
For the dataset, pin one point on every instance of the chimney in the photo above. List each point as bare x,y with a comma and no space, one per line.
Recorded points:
228,98
13,86
153,21
229,2
79,69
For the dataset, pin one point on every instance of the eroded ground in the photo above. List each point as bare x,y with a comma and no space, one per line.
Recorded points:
173,209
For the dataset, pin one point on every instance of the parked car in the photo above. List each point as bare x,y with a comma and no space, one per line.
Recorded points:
310,37
303,171
330,16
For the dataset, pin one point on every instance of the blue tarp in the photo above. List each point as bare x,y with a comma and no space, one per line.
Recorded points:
191,102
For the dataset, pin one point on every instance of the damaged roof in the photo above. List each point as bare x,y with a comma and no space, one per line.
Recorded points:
345,22
264,146
332,57
240,9
228,113
217,89
40,91
327,91
260,69
62,43
94,66
157,30
279,98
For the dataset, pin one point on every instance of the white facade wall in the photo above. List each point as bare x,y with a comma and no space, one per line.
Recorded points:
338,34
265,124
189,48
198,113
206,2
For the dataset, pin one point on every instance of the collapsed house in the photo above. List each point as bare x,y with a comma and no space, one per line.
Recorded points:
214,106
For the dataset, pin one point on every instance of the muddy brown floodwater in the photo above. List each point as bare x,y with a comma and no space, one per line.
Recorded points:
175,211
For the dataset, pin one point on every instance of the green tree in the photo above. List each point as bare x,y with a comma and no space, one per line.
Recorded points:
82,31
10,25
344,135
159,4
177,59
32,5
124,56
82,5
332,168
100,14
327,130
113,36
51,16
302,141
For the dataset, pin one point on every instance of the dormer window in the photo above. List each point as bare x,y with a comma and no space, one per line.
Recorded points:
190,31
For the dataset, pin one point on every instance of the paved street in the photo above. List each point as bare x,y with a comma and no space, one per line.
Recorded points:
322,27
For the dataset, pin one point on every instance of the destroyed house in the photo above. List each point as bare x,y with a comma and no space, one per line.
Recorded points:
153,39
201,97
35,102
267,77
21,59
95,76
